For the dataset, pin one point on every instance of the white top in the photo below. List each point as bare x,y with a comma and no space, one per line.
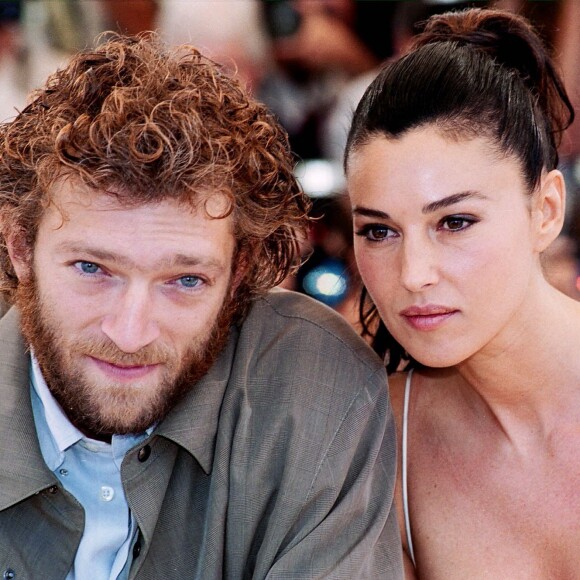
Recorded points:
404,466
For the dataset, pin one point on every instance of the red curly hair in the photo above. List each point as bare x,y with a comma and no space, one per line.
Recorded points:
151,123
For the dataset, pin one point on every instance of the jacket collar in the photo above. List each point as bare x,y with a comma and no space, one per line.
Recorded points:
22,468
193,423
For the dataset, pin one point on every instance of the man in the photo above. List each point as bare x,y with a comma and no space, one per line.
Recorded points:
165,415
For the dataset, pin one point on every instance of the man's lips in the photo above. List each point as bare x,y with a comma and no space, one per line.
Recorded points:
428,317
122,371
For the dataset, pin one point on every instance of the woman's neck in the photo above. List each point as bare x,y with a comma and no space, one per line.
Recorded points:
528,378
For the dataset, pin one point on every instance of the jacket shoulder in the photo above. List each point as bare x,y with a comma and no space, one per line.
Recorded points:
297,334
298,316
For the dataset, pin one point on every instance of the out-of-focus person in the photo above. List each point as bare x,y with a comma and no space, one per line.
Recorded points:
229,31
318,46
12,61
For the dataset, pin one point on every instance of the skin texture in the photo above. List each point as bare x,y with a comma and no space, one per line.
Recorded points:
124,306
457,263
447,224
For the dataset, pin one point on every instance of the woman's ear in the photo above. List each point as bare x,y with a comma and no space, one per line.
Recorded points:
549,205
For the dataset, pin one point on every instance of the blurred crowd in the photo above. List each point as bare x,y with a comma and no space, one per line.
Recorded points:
309,61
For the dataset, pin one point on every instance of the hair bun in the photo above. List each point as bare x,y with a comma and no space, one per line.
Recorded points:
513,43
507,38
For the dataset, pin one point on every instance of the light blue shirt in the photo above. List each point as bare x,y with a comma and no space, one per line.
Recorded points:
91,471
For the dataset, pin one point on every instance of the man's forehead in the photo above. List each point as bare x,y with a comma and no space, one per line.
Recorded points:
70,193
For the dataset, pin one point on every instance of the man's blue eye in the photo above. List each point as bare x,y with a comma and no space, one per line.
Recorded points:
189,281
88,267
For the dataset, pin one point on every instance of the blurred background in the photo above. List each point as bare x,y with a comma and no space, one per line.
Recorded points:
309,61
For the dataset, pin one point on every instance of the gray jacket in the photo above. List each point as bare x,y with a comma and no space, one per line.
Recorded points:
273,466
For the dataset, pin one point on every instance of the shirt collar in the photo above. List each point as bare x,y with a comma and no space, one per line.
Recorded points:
64,433
55,431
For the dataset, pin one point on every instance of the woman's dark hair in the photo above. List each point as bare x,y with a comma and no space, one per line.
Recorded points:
476,72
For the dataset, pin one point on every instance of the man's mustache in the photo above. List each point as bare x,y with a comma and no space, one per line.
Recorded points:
107,351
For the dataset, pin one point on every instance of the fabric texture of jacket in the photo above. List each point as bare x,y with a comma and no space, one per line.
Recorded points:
279,463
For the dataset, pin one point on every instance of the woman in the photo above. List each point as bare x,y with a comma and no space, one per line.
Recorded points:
451,166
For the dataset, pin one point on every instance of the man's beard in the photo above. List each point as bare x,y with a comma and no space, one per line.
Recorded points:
98,410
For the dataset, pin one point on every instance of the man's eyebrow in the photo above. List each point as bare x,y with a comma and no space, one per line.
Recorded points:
175,260
450,200
187,261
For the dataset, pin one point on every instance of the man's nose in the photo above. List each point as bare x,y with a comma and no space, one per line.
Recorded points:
419,267
131,324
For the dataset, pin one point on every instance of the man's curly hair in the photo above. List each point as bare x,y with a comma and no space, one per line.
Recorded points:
152,123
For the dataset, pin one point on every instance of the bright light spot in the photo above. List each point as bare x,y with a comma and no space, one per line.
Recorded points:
330,284
320,178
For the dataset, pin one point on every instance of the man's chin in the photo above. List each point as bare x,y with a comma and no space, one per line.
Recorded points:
120,408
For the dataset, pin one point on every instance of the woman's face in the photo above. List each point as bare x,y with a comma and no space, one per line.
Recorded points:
444,240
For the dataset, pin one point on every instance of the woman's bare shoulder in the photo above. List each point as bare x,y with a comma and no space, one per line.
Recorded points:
423,377
429,390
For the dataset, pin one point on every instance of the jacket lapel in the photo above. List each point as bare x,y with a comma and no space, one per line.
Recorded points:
22,468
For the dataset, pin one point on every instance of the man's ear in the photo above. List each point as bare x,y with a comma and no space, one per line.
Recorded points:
238,271
19,252
549,205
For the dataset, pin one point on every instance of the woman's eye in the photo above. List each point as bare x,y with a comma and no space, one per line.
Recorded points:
88,267
456,223
375,232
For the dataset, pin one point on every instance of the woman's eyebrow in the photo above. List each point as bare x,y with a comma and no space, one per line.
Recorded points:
450,200
368,212
429,208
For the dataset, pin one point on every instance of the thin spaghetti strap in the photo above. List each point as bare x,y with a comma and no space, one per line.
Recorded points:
404,466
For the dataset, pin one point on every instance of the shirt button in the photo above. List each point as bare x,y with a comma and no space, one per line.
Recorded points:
107,493
144,453
9,574
63,471
53,489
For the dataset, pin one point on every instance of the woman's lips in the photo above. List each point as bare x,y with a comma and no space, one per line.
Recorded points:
428,317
